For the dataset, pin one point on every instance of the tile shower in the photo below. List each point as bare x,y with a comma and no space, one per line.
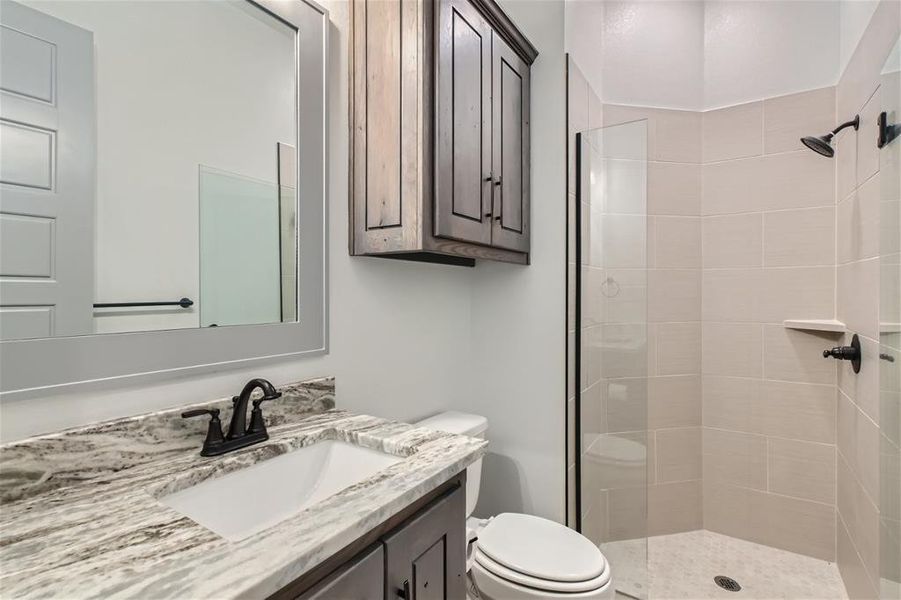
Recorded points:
733,227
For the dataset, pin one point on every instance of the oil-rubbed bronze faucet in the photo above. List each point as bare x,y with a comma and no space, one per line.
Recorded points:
238,436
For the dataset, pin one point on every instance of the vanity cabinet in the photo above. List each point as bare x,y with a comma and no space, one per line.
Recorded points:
362,579
440,140
417,554
425,559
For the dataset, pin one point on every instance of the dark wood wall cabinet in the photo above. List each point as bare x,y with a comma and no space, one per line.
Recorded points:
418,554
440,102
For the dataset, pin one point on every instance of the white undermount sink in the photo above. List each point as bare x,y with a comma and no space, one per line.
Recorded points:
247,501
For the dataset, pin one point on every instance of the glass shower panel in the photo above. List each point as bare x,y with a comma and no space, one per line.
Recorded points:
612,343
890,335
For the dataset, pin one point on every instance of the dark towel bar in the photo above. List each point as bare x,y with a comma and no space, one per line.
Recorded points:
184,303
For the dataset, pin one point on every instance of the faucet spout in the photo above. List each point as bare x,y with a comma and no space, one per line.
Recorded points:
237,427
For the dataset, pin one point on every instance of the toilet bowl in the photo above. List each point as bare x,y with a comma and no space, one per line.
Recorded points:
515,556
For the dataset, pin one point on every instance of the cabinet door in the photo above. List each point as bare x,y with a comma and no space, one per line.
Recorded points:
463,137
362,579
510,142
426,558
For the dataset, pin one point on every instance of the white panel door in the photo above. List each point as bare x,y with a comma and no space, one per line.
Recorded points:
47,180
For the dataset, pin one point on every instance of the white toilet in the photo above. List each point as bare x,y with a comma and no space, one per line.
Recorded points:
517,556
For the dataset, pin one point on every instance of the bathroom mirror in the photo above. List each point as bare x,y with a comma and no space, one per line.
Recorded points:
161,174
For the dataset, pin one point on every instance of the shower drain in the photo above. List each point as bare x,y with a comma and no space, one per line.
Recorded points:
727,583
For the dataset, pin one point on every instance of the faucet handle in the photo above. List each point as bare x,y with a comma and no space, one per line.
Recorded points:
214,430
257,425
197,412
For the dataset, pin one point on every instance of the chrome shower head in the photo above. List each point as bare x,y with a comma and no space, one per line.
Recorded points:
822,144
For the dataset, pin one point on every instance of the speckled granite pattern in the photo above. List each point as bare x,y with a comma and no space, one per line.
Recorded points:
104,535
47,462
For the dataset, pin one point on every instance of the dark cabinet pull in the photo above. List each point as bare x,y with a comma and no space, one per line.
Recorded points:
405,593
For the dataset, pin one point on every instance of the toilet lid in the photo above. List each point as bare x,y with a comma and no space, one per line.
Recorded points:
541,548
544,585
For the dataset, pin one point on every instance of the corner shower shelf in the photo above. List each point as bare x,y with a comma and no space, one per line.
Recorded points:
828,325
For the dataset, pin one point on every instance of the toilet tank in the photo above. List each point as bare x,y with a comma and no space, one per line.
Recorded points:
462,424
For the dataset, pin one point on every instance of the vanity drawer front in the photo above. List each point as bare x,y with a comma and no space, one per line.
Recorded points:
361,579
426,558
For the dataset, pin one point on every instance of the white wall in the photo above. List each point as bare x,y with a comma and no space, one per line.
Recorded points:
407,339
755,50
519,313
855,15
701,55
178,85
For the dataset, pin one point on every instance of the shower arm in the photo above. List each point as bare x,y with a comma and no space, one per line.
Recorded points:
855,123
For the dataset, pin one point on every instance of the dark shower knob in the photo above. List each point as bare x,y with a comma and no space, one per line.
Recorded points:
851,353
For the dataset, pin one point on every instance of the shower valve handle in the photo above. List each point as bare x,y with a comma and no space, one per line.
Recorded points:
851,353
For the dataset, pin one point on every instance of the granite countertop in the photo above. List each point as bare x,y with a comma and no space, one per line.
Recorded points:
79,516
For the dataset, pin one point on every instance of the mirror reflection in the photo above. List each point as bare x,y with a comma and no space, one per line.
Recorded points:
147,167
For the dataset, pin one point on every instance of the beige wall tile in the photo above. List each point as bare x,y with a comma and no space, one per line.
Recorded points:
627,513
625,186
790,355
867,151
677,242
594,518
733,132
674,507
674,401
627,406
674,188
730,403
733,241
797,180
735,458
858,442
789,118
733,186
678,454
595,109
800,238
860,516
857,582
801,469
800,411
799,526
858,302
731,294
733,349
858,221
570,432
673,295
571,496
678,348
677,136
594,409
624,295
845,145
594,303
863,388
788,523
788,293
731,510
624,241
621,350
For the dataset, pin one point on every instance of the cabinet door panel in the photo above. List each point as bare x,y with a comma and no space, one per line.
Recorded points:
510,142
463,98
363,579
429,552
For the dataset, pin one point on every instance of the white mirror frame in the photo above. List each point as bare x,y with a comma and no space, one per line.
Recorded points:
30,368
